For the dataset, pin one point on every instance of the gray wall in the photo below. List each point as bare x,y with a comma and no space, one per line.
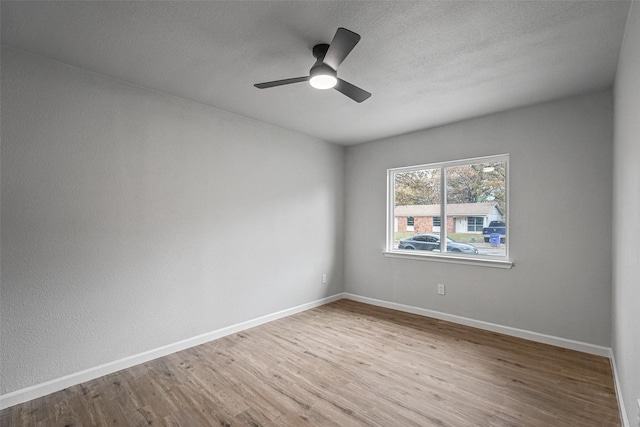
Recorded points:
133,220
560,203
626,209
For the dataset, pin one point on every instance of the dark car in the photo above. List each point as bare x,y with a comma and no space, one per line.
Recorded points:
431,242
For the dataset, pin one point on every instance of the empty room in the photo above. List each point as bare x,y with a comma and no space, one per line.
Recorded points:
322,213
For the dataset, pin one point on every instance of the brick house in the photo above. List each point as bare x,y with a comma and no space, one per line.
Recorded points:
461,217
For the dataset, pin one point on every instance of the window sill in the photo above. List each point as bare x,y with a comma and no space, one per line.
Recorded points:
479,262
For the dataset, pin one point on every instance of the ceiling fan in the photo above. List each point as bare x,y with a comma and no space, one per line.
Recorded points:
323,74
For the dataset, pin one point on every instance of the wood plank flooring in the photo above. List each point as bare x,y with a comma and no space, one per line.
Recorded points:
345,364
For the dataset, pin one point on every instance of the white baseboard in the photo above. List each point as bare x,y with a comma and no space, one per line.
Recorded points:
616,380
43,389
507,330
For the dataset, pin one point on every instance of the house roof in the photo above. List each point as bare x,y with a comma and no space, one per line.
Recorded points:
458,209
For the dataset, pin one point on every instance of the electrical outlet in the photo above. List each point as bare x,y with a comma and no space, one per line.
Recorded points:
324,279
440,289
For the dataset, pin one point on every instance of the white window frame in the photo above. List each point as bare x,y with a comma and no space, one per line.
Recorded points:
447,257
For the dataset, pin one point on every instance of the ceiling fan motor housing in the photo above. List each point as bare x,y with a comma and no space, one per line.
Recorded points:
321,75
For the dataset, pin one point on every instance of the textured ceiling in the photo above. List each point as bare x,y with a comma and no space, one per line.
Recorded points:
426,63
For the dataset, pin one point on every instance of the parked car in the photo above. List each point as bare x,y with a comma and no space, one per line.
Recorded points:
495,227
431,242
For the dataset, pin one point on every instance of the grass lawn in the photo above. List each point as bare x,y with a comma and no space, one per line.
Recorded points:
466,237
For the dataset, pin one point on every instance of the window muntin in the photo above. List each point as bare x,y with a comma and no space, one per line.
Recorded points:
475,191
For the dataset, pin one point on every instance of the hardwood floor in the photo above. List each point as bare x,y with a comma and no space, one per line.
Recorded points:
345,364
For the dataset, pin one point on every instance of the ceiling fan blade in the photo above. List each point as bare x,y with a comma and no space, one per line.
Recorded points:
353,92
343,42
274,83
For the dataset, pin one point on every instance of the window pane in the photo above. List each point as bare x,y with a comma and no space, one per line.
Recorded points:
476,197
475,223
417,202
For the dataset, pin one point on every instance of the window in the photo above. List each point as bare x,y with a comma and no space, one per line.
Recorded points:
435,224
475,223
410,221
470,195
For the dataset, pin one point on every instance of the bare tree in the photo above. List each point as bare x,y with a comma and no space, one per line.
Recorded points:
484,182
417,188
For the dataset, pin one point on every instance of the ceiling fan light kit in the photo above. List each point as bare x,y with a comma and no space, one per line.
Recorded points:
323,77
323,74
